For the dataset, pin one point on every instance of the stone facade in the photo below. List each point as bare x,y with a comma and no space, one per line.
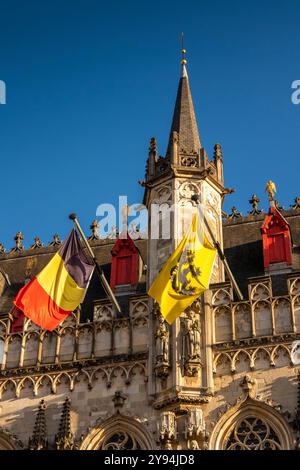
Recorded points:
220,377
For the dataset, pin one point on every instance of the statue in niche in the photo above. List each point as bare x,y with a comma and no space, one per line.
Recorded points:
192,336
191,343
162,341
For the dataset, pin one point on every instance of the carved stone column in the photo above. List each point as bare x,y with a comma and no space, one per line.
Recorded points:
167,429
195,432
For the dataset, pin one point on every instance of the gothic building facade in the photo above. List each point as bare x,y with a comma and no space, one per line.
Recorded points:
220,377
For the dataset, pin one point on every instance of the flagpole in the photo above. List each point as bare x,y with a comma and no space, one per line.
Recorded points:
221,254
99,270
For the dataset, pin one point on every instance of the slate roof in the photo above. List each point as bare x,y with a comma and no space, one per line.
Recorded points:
27,264
243,248
184,119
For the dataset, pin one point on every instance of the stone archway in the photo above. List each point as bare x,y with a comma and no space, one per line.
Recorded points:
251,425
118,433
8,441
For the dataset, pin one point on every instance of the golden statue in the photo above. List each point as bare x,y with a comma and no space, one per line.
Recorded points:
271,190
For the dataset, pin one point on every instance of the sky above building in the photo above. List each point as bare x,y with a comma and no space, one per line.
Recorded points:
88,83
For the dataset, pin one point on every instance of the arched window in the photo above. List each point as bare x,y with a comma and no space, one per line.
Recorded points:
120,440
251,425
252,433
8,441
118,433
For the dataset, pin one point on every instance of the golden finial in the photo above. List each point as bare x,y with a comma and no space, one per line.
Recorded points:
183,51
271,190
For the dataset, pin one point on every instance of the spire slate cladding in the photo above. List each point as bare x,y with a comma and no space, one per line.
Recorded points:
184,119
184,152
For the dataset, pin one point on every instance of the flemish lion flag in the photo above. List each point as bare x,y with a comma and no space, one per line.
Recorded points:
59,288
185,275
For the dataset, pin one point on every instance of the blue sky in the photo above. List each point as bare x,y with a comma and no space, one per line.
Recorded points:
89,82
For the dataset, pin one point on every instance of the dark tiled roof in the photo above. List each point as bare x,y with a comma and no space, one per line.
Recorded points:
27,264
184,119
243,248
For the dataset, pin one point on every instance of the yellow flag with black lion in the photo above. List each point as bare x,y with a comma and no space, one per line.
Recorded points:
186,274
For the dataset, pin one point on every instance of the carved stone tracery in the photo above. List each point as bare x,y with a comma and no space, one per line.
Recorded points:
253,433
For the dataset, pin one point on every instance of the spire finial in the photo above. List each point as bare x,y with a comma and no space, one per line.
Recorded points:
183,60
183,51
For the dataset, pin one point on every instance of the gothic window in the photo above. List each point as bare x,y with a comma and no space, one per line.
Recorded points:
118,433
252,433
121,440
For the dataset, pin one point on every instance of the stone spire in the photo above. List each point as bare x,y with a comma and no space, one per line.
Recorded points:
64,440
38,440
184,119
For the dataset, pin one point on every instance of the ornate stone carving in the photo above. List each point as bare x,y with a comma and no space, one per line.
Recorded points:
297,204
294,286
187,189
190,160
162,348
254,201
2,249
235,214
56,240
52,375
167,429
19,247
195,432
222,296
37,243
64,439
249,384
119,399
278,206
39,440
163,195
260,291
253,433
218,152
94,227
269,351
103,315
139,313
212,200
121,440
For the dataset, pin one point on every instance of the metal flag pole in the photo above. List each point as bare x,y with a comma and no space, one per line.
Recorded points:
221,254
99,270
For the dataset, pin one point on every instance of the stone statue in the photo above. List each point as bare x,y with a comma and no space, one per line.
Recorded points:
162,341
192,337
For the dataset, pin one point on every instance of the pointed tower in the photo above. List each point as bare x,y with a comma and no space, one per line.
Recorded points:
64,439
179,354
183,171
184,122
39,440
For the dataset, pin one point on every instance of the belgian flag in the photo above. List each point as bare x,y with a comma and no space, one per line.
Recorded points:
59,288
